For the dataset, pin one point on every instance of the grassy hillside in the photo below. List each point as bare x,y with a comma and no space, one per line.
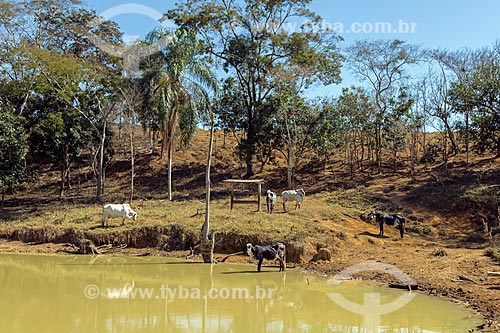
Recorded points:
445,203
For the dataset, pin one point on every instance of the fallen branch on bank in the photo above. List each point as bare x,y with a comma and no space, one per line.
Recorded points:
86,246
466,279
409,287
229,255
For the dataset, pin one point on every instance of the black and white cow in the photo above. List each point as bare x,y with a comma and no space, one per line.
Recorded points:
270,201
389,219
258,253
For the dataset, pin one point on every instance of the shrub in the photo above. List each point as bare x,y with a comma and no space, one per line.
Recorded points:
494,253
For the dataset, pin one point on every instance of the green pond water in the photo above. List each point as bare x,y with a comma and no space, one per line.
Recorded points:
73,294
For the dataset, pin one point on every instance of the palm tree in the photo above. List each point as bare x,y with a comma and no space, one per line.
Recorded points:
179,83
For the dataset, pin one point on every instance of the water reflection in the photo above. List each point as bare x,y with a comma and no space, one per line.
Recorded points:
52,294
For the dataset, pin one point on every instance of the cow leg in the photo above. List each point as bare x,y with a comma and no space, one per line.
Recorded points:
381,232
282,265
123,220
259,264
284,208
401,229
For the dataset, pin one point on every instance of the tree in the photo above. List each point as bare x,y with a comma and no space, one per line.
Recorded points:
26,25
59,136
295,122
12,151
180,81
480,93
396,125
130,90
51,72
355,116
455,66
230,111
78,75
382,64
250,40
207,246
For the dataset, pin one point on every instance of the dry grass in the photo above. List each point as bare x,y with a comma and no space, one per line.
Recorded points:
494,253
176,225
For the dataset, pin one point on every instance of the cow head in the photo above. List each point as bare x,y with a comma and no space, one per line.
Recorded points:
248,250
131,214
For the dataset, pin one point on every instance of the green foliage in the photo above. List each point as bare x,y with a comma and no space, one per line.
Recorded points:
396,122
176,84
12,149
60,136
494,253
479,94
431,151
345,122
295,123
230,111
251,44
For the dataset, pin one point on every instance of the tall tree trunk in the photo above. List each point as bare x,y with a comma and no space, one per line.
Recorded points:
351,161
498,147
100,173
132,166
249,148
169,169
208,255
290,157
451,136
64,172
467,138
378,148
3,196
163,145
61,185
394,160
289,169
68,176
413,154
169,137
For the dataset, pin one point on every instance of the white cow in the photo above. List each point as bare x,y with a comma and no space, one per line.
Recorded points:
122,210
291,195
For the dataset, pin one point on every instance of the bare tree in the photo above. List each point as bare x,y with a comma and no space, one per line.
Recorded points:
132,97
382,64
208,247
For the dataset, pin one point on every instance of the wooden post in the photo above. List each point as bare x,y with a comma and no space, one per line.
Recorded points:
234,182
259,189
232,196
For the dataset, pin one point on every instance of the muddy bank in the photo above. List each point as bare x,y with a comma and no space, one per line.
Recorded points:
168,238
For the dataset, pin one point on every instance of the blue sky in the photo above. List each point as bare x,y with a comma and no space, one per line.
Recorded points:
447,24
